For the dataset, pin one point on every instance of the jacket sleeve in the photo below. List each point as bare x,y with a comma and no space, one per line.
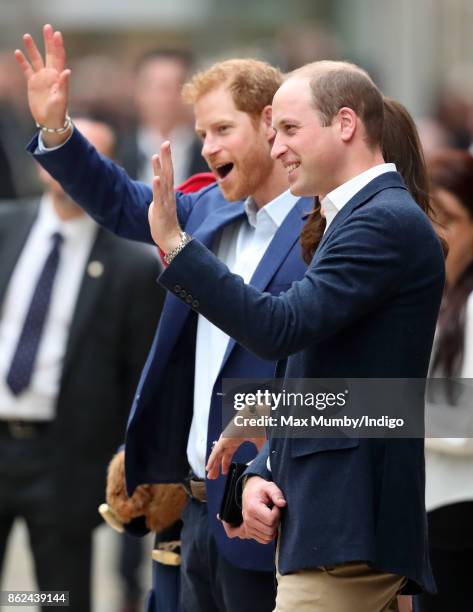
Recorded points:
259,465
365,260
102,188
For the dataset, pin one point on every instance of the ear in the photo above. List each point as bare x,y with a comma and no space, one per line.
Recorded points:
348,120
266,120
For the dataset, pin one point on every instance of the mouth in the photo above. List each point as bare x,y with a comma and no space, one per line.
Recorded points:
291,167
223,171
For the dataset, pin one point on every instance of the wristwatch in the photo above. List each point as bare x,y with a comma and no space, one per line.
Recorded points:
185,239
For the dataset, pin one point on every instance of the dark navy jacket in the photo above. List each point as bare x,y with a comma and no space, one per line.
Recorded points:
366,308
159,422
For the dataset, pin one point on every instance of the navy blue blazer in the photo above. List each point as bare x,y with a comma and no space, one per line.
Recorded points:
367,307
160,418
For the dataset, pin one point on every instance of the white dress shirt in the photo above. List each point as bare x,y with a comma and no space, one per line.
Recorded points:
334,201
241,247
37,402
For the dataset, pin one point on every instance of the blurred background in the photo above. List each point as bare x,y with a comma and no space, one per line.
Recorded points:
420,53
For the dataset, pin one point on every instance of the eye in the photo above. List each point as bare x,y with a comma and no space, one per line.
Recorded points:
201,136
223,129
290,129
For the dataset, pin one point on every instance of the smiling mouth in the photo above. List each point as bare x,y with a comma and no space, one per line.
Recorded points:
291,167
224,170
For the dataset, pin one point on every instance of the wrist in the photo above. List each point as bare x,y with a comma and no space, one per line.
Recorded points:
174,245
54,135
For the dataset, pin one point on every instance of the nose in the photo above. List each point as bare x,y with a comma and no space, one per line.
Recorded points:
278,148
210,146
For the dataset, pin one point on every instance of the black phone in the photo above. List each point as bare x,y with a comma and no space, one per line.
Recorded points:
230,507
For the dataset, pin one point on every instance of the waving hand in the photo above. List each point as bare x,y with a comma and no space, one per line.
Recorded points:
47,81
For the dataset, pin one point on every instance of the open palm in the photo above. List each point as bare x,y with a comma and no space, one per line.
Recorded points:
47,80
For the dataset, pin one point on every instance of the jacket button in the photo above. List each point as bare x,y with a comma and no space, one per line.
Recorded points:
189,299
177,288
183,293
195,304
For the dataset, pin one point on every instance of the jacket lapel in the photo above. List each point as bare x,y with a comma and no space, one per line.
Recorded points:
98,265
285,238
216,221
384,181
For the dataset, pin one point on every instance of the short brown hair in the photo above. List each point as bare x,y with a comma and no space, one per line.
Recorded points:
337,84
251,82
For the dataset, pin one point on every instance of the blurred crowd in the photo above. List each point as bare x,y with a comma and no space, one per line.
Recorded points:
141,102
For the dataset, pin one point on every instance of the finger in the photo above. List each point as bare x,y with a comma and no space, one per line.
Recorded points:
49,50
168,170
33,53
156,187
259,536
261,527
276,496
212,467
60,51
212,472
262,515
214,459
156,162
226,461
24,64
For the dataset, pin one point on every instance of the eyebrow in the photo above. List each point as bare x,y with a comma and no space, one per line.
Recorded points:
214,124
285,120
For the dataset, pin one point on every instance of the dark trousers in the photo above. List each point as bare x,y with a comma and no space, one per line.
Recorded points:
210,583
451,555
165,587
453,575
62,555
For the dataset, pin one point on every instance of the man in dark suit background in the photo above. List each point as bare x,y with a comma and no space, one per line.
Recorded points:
65,395
161,115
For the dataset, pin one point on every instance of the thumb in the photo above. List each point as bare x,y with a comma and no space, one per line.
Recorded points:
276,496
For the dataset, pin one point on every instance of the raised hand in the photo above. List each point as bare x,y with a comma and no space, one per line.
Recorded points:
162,215
47,81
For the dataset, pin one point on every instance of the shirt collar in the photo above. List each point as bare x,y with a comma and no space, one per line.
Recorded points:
334,201
276,210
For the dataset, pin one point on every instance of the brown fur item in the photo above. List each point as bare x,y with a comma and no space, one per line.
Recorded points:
166,505
160,504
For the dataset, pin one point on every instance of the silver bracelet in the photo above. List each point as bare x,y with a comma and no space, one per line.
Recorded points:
67,125
185,239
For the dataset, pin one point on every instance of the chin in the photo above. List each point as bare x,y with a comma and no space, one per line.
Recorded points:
232,194
297,190
302,190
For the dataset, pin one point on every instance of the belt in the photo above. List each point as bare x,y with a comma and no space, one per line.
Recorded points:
23,430
196,488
